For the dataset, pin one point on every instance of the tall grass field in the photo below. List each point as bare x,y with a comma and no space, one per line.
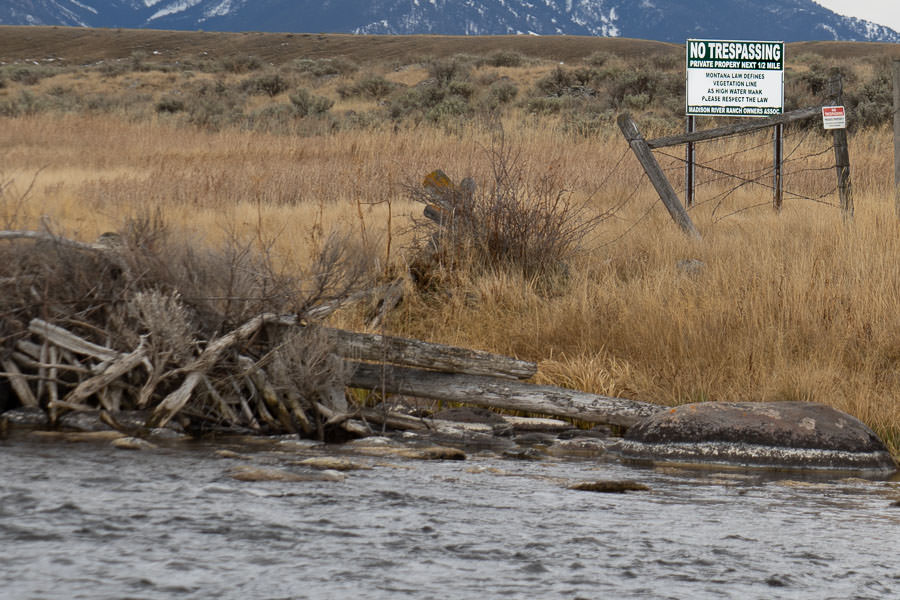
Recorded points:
282,143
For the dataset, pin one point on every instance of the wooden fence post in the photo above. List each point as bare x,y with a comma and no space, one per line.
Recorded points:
842,154
778,161
655,173
690,156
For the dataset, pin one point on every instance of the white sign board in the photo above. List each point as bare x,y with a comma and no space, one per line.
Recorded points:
735,78
834,117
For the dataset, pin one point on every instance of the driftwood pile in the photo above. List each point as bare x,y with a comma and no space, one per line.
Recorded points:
60,371
100,327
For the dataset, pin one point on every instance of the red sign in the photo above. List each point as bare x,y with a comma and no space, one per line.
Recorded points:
834,117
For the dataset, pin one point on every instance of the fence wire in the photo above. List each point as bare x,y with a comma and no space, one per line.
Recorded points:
807,174
742,168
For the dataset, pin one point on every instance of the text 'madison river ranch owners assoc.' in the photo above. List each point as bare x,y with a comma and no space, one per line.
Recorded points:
741,79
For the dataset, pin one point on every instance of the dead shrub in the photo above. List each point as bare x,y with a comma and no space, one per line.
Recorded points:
241,63
532,226
269,84
304,363
152,276
307,104
145,286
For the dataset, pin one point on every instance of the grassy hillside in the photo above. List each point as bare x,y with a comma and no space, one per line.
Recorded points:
85,45
277,140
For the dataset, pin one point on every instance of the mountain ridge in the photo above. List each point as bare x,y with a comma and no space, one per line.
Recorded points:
661,20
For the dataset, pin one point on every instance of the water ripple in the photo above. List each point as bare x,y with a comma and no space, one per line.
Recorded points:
90,522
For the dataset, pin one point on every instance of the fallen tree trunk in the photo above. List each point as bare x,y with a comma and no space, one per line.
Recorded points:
18,383
427,355
69,341
113,371
504,394
429,370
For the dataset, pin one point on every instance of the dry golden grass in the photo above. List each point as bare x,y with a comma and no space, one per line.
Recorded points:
799,305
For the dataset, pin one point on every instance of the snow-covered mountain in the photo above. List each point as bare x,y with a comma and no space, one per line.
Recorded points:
664,20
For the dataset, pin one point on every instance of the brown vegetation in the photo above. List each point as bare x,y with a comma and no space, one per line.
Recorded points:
792,306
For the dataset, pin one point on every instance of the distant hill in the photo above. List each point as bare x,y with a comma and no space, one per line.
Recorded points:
83,45
661,20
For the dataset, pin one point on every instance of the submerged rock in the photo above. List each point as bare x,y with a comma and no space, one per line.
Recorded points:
25,417
251,473
609,486
429,453
781,435
470,414
92,421
78,436
524,454
132,443
578,447
438,453
330,463
230,454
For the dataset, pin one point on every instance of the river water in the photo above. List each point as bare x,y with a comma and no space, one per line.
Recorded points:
86,520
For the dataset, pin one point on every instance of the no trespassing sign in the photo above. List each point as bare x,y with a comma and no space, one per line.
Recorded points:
735,78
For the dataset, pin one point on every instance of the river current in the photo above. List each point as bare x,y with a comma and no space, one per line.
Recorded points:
86,520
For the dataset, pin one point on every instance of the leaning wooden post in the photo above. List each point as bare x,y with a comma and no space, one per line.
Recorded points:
842,155
655,173
897,137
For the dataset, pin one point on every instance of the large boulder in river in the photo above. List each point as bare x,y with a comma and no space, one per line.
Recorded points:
779,435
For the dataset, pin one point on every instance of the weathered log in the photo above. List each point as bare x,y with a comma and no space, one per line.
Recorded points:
263,412
68,340
266,391
416,353
323,310
345,421
43,236
536,424
389,301
245,406
19,384
504,394
292,399
52,387
30,348
226,410
394,420
55,407
76,366
111,397
42,370
175,401
196,370
113,371
23,360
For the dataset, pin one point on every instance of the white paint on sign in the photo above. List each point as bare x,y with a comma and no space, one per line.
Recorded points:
834,117
736,78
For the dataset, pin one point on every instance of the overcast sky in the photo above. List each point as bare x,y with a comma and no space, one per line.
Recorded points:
883,12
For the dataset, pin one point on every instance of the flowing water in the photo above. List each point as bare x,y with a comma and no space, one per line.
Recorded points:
85,520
